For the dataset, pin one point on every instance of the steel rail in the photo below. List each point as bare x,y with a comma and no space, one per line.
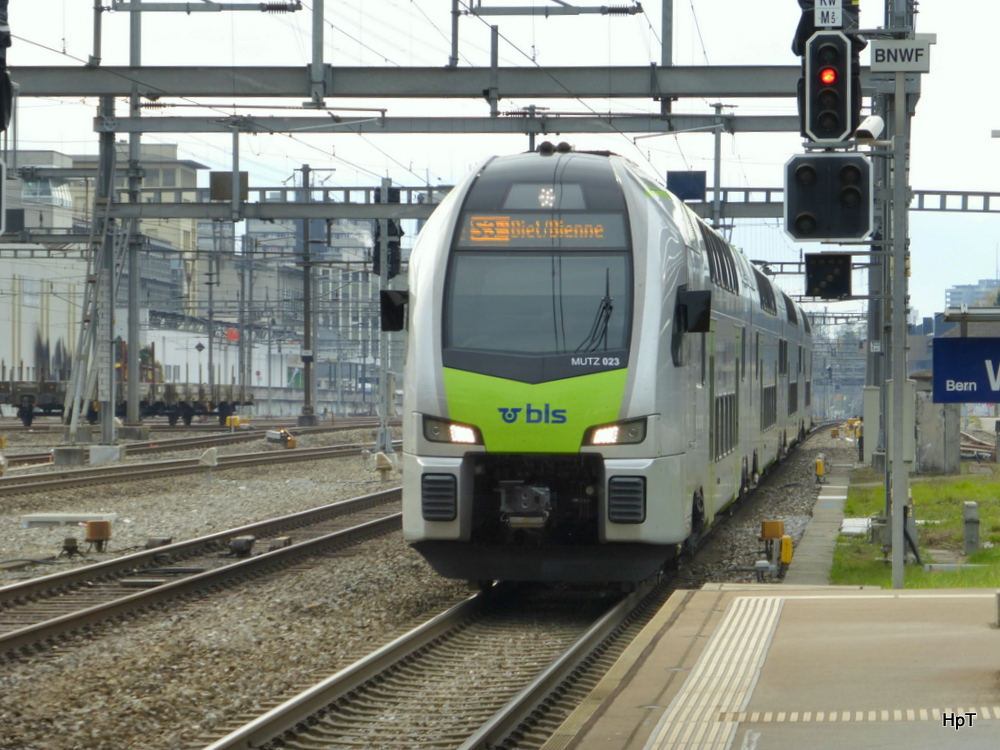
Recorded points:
28,638
270,726
109,569
519,708
285,717
187,443
37,482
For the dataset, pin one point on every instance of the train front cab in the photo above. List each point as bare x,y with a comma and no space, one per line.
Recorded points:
510,468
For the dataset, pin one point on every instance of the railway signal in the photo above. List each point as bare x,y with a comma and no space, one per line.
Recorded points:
828,197
6,87
828,276
394,232
829,100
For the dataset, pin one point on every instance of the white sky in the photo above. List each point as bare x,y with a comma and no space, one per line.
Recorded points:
952,148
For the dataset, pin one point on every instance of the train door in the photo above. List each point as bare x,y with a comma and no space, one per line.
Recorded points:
739,373
711,500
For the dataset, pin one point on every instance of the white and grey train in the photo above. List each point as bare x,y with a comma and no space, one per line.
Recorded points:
592,374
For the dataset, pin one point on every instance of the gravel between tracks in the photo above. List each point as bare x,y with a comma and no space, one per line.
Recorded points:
788,494
164,684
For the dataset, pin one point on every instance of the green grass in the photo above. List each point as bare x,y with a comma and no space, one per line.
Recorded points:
856,562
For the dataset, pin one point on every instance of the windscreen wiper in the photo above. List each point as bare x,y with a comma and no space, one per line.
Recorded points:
598,336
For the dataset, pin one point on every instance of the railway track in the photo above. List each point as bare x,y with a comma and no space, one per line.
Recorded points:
475,676
58,480
167,445
47,609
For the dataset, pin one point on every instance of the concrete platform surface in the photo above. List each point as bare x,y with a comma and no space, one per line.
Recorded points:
779,667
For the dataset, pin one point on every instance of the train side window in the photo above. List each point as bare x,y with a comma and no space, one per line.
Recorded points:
704,356
765,293
743,354
677,340
756,359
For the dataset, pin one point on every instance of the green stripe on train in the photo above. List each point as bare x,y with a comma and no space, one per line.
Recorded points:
534,418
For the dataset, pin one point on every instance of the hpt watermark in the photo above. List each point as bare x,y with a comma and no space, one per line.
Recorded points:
957,720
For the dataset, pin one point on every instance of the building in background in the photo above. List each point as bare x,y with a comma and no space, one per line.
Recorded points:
985,293
206,294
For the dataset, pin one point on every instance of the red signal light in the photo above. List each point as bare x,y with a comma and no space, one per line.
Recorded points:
828,76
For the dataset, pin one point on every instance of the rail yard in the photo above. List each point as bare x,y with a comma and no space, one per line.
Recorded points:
197,668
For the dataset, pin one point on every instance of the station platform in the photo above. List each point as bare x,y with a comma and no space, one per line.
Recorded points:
803,664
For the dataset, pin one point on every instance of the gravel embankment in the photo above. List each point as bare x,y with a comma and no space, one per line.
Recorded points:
787,494
185,507
162,684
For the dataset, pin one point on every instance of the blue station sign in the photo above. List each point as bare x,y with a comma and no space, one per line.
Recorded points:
966,370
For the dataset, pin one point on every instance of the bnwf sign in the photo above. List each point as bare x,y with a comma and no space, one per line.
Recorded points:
901,56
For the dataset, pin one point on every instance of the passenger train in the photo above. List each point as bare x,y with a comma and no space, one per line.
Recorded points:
592,374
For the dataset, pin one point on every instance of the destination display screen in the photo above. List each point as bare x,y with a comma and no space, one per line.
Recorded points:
487,230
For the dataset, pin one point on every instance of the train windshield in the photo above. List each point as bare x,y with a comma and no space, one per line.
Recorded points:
538,303
539,281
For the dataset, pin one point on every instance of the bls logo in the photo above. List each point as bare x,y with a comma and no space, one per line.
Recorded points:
545,415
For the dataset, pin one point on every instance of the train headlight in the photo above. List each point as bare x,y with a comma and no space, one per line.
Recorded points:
619,433
445,431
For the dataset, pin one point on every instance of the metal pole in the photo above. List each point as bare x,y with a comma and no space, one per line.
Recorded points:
494,96
308,416
900,478
135,242
95,58
384,437
316,69
667,48
237,191
251,243
241,355
105,315
270,342
213,269
717,174
453,60
667,34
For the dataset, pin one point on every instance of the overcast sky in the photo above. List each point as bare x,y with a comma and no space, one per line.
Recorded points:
952,147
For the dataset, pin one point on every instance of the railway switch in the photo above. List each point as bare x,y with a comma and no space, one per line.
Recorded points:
282,436
384,465
241,546
279,542
98,534
769,531
763,570
70,547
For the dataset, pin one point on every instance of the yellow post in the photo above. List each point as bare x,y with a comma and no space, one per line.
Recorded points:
820,469
786,550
